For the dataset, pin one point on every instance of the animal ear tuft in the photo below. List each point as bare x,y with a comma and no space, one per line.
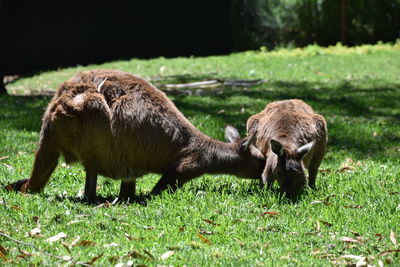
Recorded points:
247,142
277,147
231,134
303,150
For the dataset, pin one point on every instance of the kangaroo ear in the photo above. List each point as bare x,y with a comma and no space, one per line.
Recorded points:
231,134
303,150
252,125
247,142
277,148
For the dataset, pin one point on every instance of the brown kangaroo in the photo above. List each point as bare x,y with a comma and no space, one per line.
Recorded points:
120,126
292,138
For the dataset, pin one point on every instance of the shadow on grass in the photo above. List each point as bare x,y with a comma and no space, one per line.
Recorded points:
106,201
253,188
23,112
358,118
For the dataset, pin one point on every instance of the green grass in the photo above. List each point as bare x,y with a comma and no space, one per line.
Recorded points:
358,92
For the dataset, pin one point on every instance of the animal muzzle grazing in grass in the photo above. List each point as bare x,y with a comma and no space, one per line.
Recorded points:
293,138
118,125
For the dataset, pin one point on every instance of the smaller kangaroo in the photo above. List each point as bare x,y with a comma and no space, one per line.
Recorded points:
118,125
292,138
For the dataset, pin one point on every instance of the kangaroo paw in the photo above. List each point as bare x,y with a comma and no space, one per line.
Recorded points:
18,186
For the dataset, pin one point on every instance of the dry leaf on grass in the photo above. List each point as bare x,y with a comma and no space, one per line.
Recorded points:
268,229
393,238
148,254
355,234
328,170
205,232
113,259
210,222
74,221
3,250
136,254
318,227
24,254
350,240
353,257
66,247
347,166
84,243
167,254
9,167
326,223
36,219
73,243
326,203
16,208
161,235
111,245
194,245
56,237
379,236
130,238
3,253
353,207
270,213
94,259
66,258
361,260
127,264
35,232
205,240
346,169
386,252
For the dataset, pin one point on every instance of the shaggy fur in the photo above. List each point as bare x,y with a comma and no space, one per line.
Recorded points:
120,126
292,138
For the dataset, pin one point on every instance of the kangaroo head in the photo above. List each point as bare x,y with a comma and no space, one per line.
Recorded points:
251,160
287,167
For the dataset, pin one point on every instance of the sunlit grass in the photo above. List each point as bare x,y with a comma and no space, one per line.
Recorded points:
217,219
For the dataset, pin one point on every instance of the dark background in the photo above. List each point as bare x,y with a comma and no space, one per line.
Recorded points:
42,34
38,35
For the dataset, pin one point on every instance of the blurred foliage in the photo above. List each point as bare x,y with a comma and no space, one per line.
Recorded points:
273,23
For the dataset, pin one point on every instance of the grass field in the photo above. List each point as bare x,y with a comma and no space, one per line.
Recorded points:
353,216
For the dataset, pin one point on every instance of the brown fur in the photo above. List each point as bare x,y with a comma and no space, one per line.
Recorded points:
293,124
128,128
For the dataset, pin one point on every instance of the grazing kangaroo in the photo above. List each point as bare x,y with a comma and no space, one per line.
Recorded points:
120,126
292,138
